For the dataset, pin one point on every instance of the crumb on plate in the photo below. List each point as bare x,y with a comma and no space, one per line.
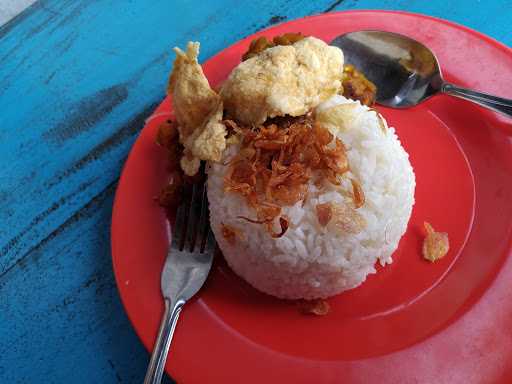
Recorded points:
435,245
318,307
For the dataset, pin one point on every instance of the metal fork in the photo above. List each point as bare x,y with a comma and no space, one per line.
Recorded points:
185,270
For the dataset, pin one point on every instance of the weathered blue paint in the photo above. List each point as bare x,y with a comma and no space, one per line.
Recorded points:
77,80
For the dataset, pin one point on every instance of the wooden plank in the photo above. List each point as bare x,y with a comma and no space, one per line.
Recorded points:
77,80
63,309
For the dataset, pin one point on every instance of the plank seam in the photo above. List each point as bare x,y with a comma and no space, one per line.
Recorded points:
332,6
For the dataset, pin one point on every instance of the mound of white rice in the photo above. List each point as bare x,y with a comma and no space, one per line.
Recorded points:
310,261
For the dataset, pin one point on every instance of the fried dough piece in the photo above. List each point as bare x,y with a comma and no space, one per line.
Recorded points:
193,98
283,80
208,142
198,109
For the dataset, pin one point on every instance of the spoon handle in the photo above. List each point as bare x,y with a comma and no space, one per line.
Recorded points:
498,104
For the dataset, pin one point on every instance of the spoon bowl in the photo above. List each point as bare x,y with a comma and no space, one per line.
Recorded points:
405,71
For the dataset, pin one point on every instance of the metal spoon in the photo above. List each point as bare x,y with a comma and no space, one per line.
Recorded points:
405,71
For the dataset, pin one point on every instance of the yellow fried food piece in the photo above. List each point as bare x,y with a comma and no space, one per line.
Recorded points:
283,80
198,111
209,141
356,86
193,98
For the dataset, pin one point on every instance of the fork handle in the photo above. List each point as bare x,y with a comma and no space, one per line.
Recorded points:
163,342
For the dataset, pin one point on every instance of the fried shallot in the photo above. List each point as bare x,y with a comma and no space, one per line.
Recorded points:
324,213
276,162
358,193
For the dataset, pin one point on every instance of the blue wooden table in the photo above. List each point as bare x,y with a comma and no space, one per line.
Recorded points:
77,80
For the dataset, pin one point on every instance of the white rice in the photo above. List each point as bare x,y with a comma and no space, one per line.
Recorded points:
309,261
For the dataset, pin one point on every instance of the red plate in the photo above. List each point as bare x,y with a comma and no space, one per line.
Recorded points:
411,322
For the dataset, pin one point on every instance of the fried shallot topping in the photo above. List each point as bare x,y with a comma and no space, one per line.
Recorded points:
283,223
318,307
358,193
324,213
435,245
275,164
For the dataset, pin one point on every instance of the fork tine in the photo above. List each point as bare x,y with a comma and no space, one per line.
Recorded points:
204,222
192,224
185,206
195,214
178,223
